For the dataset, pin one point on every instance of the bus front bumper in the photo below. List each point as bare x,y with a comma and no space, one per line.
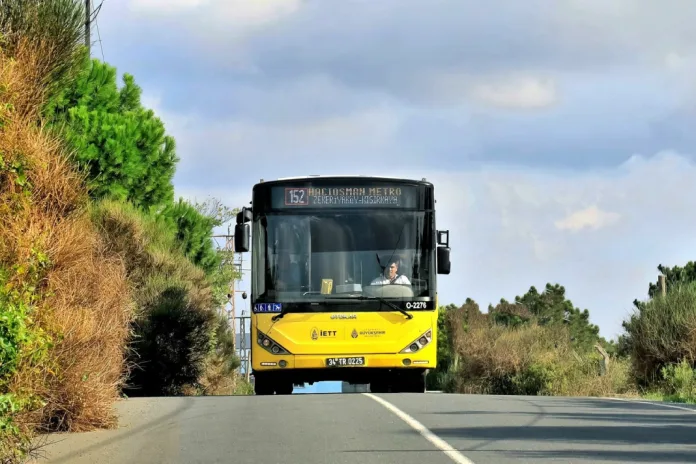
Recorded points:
347,361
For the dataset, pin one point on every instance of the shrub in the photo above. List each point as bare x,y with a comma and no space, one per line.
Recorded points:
173,344
219,376
679,381
178,344
524,358
662,332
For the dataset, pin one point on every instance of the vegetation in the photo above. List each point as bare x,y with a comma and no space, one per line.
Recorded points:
121,146
542,345
97,261
175,331
64,322
525,358
110,286
660,337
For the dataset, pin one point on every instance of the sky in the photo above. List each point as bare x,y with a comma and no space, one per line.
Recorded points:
558,135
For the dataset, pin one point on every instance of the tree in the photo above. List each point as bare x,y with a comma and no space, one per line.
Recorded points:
193,233
673,276
122,147
511,315
551,307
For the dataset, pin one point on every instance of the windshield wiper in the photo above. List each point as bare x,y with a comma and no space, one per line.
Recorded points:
386,302
283,312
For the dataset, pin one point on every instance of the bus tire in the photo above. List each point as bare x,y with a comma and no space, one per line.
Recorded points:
415,383
262,385
379,386
284,388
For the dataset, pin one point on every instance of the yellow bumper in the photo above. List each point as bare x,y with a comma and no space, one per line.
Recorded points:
319,361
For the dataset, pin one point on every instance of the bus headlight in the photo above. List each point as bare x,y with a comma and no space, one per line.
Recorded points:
419,343
268,344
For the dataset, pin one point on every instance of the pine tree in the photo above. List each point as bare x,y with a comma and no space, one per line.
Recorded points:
121,146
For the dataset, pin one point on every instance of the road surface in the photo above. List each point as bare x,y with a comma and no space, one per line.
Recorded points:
384,429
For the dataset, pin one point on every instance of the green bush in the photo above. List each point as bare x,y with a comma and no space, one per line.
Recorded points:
173,344
23,346
662,332
680,381
193,232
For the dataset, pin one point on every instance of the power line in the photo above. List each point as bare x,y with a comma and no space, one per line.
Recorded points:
96,11
91,16
96,23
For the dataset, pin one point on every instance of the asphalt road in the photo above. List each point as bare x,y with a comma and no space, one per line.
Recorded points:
364,429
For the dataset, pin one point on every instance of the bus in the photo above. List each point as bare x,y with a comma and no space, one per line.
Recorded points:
343,281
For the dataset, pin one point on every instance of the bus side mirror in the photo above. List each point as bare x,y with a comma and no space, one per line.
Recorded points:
244,216
443,260
241,238
443,237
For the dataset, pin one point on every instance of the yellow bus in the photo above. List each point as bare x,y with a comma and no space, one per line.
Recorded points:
343,281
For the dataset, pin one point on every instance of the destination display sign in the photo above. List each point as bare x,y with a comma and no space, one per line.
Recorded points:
345,197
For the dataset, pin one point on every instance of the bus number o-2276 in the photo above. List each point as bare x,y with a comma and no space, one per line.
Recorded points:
416,305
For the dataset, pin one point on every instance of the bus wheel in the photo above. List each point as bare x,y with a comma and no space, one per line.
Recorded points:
262,385
379,386
415,383
284,388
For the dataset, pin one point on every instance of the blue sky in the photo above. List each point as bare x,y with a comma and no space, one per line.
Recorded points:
559,135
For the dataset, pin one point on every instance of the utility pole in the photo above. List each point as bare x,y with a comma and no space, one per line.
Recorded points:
88,20
239,343
662,283
232,317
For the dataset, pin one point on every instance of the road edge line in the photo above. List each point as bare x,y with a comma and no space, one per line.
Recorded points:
438,442
652,403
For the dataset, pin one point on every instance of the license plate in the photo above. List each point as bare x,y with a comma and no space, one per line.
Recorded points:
344,362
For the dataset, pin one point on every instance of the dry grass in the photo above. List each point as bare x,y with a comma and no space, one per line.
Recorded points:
89,305
82,300
148,254
217,379
159,272
530,359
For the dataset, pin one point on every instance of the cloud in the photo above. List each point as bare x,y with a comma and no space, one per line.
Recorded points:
458,82
161,7
504,91
588,218
560,144
517,92
232,13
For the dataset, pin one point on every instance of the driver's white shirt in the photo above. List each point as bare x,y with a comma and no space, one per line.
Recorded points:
382,280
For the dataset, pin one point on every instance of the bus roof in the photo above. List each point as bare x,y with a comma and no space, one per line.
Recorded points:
347,176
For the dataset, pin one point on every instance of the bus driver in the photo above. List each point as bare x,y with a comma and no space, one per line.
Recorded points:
392,277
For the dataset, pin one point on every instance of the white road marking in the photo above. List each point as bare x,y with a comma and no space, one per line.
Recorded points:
441,444
656,403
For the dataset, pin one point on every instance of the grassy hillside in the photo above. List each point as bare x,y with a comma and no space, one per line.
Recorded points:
64,294
93,280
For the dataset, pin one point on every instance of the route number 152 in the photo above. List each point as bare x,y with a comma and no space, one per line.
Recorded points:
296,196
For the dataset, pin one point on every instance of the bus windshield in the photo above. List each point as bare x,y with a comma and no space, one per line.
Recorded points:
315,256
